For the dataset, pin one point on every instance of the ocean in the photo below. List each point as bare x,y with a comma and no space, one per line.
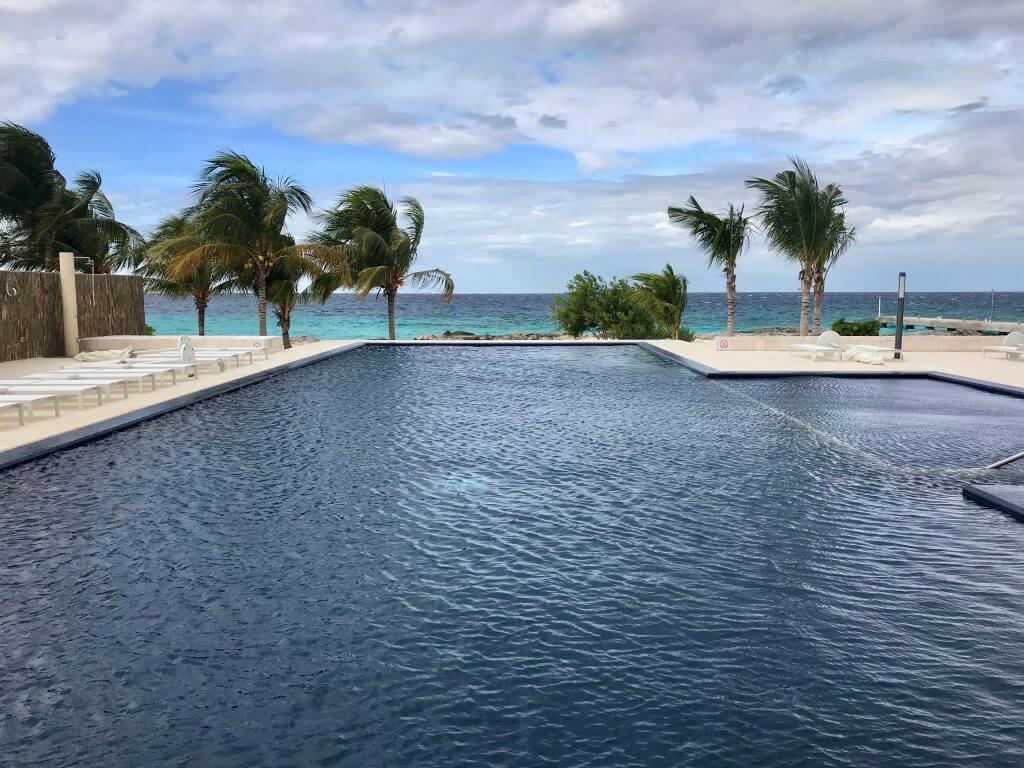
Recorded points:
345,317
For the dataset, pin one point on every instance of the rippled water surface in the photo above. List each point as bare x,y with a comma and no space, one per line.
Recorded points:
520,557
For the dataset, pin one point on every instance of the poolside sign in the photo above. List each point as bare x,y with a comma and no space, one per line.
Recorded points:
722,343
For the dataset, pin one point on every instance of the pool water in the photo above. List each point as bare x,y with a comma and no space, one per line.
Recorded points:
459,556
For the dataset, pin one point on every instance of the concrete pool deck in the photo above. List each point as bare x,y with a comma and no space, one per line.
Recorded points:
966,365
47,433
45,426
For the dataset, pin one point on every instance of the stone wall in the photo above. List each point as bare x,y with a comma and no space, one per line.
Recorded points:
31,322
110,305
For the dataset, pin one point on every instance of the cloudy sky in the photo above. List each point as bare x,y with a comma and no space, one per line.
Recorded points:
548,137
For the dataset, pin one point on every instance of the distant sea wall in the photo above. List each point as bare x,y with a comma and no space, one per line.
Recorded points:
31,311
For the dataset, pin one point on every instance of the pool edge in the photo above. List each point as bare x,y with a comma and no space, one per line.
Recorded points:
981,495
949,378
40,448
87,434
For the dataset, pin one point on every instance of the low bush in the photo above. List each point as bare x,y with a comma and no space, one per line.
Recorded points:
610,309
845,327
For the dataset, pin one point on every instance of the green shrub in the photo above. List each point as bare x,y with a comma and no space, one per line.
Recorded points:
685,334
150,330
609,309
845,327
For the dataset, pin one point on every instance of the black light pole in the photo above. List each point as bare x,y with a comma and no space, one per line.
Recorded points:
901,294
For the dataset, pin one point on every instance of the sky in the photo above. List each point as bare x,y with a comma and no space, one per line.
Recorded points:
544,138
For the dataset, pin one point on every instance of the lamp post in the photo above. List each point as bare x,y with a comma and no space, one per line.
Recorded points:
901,295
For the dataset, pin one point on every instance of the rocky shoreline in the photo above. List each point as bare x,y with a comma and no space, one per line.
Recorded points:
778,331
468,336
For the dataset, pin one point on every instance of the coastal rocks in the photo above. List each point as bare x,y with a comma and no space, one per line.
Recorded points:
780,331
468,336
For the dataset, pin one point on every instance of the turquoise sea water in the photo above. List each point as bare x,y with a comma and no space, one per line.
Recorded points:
345,317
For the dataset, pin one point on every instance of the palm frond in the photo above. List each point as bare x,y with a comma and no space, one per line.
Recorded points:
434,278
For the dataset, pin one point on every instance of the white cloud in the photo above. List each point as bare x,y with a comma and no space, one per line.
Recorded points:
913,107
461,79
919,208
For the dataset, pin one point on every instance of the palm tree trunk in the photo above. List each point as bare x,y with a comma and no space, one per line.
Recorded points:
819,298
730,301
45,251
261,298
805,299
390,293
286,327
201,315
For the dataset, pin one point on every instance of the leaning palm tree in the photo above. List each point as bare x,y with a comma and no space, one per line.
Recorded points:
42,216
303,273
722,238
381,252
663,295
28,182
173,236
239,223
840,240
801,221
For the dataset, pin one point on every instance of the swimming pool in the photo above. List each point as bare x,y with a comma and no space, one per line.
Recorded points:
454,556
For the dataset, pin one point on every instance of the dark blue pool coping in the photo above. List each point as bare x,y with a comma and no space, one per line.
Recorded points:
712,373
1005,498
76,437
31,451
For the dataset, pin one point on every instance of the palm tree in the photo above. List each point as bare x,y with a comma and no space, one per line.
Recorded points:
43,216
205,281
722,238
841,239
239,223
803,222
663,294
29,182
302,274
380,251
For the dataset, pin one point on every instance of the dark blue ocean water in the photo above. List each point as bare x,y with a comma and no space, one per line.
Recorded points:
447,557
344,317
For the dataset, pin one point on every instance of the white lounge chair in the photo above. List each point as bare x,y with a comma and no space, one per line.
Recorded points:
155,366
187,354
248,351
1012,346
26,402
25,387
204,357
877,350
125,376
106,383
829,343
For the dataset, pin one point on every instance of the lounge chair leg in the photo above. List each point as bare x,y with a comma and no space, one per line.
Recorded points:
21,414
56,407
